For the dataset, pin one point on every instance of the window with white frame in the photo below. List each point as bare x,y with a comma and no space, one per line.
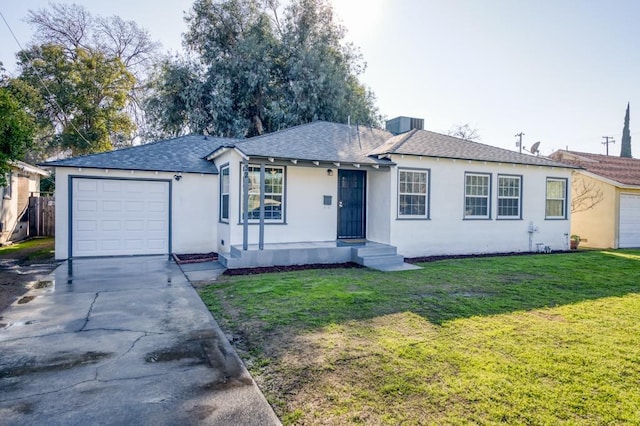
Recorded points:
413,199
224,193
476,195
556,203
273,193
509,197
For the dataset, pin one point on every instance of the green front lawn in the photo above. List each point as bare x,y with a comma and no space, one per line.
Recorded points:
40,248
540,339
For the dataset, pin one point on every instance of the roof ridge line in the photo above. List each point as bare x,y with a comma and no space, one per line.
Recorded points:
405,138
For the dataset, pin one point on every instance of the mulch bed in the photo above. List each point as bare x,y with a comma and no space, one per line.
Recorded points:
183,259
427,259
290,268
208,257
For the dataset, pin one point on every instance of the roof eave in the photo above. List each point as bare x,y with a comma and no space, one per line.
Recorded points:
556,164
371,162
609,181
29,168
137,169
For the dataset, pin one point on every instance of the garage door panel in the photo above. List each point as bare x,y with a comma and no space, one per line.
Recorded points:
134,244
87,225
157,244
134,225
119,217
134,206
156,206
87,206
136,187
112,206
111,245
87,186
156,225
629,235
87,246
111,225
111,186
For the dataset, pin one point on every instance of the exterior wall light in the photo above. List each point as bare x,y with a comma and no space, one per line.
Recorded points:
329,172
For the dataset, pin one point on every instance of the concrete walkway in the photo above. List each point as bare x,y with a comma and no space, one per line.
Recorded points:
202,272
122,341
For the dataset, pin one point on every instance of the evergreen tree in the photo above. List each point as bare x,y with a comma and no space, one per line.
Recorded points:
626,137
252,72
16,130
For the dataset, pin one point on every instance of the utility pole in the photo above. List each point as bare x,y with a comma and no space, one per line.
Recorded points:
519,143
607,141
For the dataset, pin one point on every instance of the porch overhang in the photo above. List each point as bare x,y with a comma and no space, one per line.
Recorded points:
324,163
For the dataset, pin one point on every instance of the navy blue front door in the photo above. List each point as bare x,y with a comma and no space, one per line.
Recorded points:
351,203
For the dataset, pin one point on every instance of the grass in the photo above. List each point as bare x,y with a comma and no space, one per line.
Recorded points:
541,339
30,250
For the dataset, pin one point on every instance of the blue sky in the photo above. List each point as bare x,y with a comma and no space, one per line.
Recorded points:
560,71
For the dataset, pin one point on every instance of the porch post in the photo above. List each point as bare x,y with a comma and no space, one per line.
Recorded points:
245,204
262,188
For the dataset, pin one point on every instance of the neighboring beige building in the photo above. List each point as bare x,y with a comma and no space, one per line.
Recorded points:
23,181
605,199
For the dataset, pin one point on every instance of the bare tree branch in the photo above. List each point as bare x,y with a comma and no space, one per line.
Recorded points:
67,25
464,131
586,195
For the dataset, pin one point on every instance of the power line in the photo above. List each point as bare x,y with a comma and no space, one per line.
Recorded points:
519,143
607,141
41,81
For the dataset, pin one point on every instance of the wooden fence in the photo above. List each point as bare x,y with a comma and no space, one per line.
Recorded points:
42,216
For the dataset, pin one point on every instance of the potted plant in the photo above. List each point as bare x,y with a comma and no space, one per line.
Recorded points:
575,240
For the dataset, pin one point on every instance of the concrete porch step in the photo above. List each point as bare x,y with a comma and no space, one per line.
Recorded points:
385,259
374,250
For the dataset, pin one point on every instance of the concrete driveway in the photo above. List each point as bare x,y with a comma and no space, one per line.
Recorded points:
121,341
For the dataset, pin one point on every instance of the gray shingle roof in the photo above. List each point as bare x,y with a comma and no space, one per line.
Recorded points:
430,144
184,154
319,141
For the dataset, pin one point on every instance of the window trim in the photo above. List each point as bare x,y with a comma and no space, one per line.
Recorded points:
564,199
225,167
520,197
489,196
283,219
427,195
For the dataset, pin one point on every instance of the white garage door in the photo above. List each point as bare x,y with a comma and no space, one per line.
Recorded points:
629,221
112,217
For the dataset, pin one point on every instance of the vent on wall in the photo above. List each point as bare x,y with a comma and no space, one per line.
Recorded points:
404,124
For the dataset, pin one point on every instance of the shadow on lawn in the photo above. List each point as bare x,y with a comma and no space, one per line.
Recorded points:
270,315
440,292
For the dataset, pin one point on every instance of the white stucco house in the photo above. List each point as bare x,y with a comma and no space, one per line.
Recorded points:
316,193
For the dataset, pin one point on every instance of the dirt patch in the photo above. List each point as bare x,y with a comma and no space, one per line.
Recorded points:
43,284
183,259
25,299
290,268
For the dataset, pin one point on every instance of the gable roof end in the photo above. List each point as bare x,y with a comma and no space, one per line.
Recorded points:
319,141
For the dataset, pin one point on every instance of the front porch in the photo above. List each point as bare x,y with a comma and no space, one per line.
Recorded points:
374,255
